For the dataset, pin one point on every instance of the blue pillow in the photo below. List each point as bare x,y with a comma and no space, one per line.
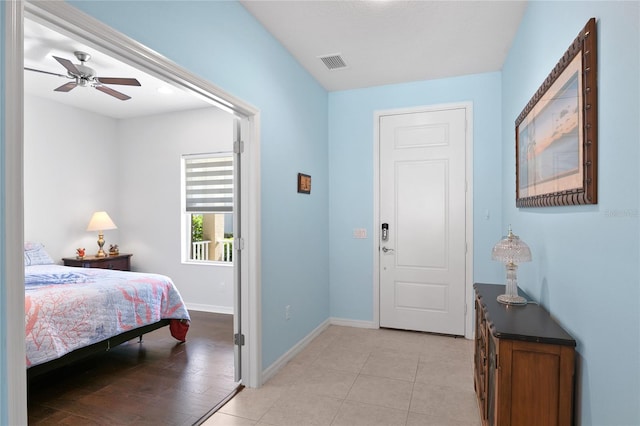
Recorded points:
35,254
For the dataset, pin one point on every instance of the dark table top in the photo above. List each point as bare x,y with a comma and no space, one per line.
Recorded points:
527,323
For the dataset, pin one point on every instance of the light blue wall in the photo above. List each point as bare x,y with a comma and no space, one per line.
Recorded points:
585,267
351,142
224,44
585,259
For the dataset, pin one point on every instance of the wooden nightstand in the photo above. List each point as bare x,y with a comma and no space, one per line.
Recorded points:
121,262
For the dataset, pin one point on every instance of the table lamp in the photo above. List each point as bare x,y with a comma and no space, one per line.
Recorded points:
511,251
100,221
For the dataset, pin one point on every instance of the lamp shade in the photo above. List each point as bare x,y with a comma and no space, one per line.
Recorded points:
511,249
100,221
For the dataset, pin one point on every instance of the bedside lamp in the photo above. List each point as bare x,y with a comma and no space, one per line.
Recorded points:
100,221
511,251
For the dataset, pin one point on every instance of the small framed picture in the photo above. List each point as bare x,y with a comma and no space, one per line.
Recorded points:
304,183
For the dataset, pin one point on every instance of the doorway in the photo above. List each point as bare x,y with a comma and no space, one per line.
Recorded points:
68,20
423,216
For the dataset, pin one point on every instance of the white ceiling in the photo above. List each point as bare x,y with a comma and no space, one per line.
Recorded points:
42,43
392,41
381,41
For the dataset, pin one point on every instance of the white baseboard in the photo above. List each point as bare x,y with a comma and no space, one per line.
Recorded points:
271,370
209,308
352,323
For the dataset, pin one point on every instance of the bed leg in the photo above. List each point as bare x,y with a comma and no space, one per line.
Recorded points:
140,339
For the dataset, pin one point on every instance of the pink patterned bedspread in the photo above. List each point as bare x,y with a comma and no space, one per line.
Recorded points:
68,308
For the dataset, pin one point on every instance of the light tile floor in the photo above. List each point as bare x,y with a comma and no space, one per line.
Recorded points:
354,376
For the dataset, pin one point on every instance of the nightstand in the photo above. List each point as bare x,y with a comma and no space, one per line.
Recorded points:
121,262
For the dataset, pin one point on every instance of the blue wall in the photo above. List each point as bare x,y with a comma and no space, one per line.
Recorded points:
351,143
585,259
224,44
585,268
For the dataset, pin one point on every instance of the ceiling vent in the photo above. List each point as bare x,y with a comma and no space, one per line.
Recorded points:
333,62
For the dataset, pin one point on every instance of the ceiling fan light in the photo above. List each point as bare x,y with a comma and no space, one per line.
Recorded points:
86,71
85,76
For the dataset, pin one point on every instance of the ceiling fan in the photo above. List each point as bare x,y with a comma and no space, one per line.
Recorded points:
84,76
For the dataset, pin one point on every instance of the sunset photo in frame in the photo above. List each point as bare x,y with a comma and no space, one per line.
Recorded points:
557,132
304,183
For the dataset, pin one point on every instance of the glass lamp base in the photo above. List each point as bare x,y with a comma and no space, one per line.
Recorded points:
511,300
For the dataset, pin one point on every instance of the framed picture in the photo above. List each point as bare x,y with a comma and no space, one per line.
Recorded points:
304,183
557,132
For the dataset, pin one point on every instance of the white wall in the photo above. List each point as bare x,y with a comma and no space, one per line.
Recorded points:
150,150
78,162
69,159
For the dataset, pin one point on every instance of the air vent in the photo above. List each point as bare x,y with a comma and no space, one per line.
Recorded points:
333,62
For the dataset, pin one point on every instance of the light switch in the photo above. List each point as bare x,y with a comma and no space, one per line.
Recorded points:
359,233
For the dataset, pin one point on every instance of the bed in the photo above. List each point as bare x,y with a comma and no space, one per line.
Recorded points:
74,312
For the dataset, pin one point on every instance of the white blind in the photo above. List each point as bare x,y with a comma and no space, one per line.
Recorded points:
209,184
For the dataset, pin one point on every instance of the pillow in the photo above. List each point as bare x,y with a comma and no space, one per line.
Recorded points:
35,254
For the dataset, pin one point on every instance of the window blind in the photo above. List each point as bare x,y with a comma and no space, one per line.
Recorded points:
209,184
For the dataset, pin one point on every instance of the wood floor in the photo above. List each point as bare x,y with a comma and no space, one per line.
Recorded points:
159,382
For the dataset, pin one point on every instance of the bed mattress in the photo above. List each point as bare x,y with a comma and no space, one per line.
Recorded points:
67,308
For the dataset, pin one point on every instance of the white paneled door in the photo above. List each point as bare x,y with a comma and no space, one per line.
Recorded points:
422,221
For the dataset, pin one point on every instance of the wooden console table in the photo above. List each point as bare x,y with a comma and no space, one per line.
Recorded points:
524,363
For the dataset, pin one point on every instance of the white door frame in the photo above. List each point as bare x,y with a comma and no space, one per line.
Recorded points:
71,21
468,106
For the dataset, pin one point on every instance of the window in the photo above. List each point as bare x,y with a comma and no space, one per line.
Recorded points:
208,208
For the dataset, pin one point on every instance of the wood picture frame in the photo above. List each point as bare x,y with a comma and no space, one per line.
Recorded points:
557,132
304,183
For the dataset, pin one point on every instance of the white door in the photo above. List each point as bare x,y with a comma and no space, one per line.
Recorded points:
422,207
238,337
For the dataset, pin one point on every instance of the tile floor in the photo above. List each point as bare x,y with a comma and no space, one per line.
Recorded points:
354,376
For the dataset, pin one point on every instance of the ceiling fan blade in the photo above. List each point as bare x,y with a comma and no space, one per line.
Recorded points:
46,72
68,65
114,93
66,87
116,80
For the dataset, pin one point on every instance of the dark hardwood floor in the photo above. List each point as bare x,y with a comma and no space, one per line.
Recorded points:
159,381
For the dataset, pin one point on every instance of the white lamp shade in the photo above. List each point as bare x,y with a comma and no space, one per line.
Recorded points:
100,221
511,249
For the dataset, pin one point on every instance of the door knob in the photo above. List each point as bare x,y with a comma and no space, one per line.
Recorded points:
386,250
